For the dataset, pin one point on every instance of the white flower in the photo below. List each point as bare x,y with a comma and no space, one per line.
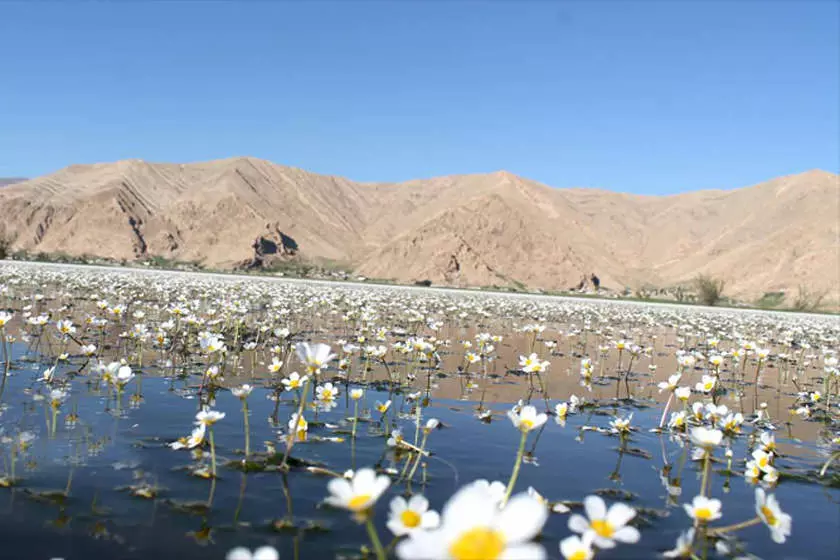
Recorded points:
262,553
88,349
677,421
767,441
527,419
326,392
65,327
358,494
209,417
314,356
671,384
703,509
561,410
473,526
124,375
682,393
684,546
621,425
294,381
577,548
242,392
5,317
357,394
606,527
767,508
407,516
706,437
194,440
533,364
707,384
763,460
395,439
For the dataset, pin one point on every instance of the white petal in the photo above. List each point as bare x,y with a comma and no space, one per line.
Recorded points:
418,503
627,535
364,481
397,528
619,514
470,506
398,505
266,553
340,488
430,520
522,519
529,551
595,507
239,553
422,545
578,523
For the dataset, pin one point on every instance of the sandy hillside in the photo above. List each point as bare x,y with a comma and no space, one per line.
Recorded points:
475,230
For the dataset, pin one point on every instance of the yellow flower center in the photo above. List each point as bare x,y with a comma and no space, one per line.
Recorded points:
359,502
763,461
769,516
579,555
327,395
410,518
526,425
479,543
703,513
603,528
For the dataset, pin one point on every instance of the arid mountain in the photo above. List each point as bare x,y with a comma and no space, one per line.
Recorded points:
470,230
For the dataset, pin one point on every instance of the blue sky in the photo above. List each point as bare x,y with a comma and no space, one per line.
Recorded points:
646,97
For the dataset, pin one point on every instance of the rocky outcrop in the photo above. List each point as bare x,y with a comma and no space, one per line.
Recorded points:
270,247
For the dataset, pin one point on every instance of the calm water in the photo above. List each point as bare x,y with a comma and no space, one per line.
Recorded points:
106,451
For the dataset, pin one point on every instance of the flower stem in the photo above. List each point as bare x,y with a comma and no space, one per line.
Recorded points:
705,481
665,410
515,474
419,456
374,537
293,433
355,418
729,528
831,459
212,454
247,429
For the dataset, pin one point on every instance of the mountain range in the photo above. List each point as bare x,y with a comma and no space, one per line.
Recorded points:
465,230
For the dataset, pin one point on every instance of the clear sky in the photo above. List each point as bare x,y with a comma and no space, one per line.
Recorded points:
647,97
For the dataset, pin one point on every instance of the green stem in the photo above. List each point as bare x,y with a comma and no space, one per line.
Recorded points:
729,528
293,434
515,474
374,537
247,429
827,463
355,417
212,454
705,481
419,456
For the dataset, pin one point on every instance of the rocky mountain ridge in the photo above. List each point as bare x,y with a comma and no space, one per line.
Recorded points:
464,230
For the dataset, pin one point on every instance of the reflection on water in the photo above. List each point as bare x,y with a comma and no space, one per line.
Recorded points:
89,472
